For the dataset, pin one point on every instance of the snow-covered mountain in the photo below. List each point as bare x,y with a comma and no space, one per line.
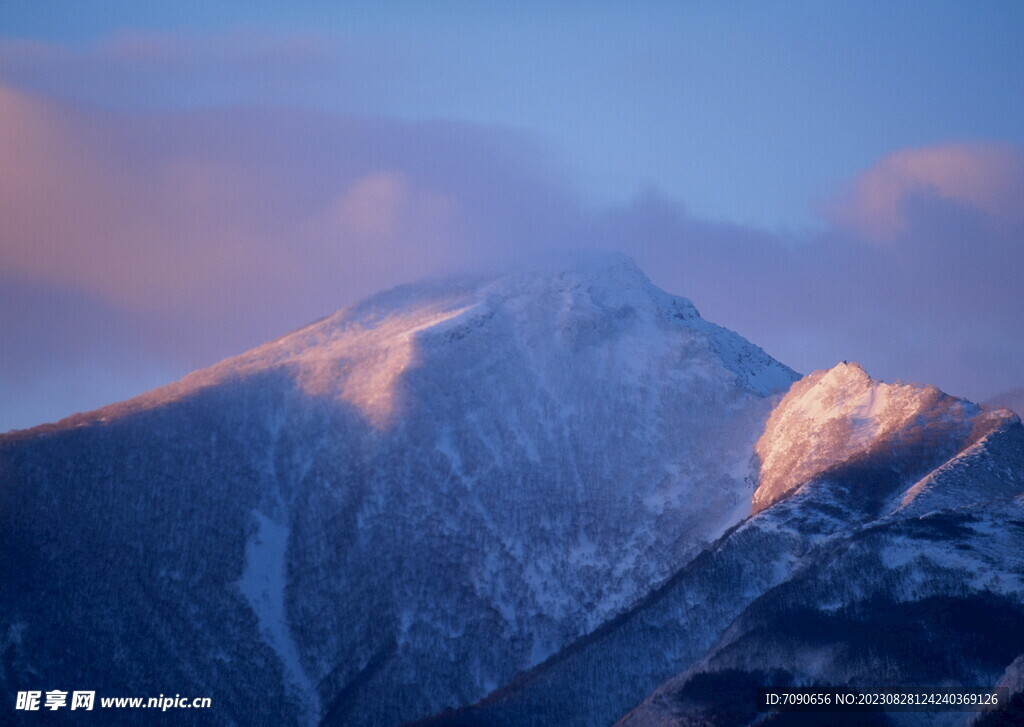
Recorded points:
886,548
913,574
392,511
558,498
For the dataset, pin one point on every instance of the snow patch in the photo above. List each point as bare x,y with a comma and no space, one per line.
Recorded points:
263,583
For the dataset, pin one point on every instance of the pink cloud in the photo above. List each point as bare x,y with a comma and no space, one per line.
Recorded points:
988,178
252,222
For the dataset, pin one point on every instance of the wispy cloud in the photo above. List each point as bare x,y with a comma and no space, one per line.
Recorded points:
254,221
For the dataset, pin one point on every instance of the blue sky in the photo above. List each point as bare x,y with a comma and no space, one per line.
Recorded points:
815,134
749,112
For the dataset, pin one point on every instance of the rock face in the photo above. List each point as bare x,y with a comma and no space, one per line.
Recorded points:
392,511
886,548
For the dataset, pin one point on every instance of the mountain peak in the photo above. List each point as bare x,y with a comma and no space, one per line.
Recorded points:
607,281
847,373
600,277
839,415
610,273
361,354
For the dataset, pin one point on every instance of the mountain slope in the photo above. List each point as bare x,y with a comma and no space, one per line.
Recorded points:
863,537
920,585
391,511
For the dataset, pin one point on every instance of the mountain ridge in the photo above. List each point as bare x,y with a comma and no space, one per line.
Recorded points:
611,282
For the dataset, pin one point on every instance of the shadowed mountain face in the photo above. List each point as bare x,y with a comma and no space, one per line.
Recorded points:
390,512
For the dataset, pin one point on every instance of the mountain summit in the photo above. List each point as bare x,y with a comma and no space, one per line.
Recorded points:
832,418
361,355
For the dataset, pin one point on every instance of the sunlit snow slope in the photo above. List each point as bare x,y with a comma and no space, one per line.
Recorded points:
832,417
